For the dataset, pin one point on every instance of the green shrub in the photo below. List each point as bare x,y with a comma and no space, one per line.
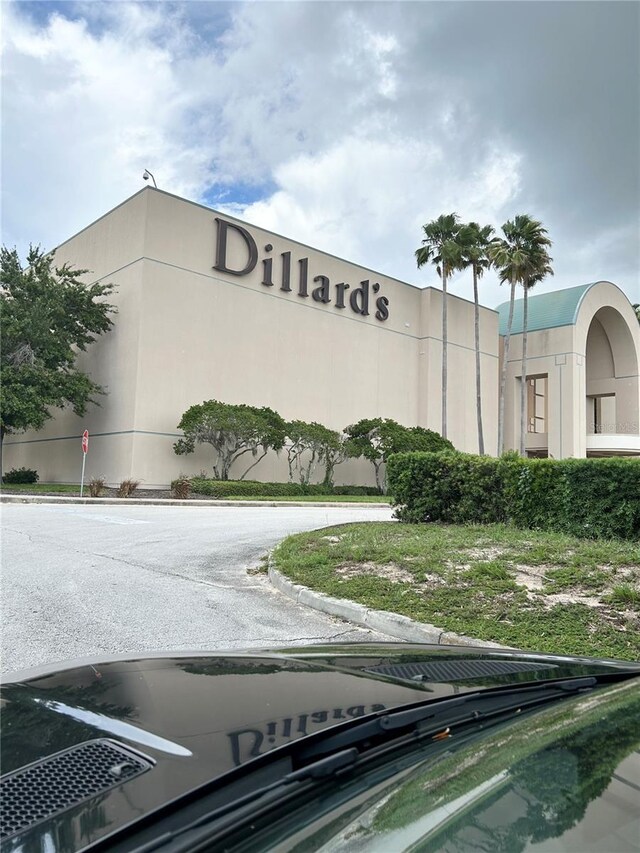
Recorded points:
593,498
21,475
251,488
355,490
450,486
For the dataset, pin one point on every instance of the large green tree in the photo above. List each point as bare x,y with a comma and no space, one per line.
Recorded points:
475,243
232,431
47,315
440,247
376,439
520,257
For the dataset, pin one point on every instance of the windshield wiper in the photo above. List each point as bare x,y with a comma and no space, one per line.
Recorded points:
469,707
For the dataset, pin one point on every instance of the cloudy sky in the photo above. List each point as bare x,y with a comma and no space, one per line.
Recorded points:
343,125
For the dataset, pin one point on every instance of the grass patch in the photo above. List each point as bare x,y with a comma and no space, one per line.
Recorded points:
533,590
625,595
374,499
43,488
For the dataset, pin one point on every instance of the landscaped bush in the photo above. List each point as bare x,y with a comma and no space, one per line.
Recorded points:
584,497
127,488
450,486
21,475
355,490
251,488
97,486
181,487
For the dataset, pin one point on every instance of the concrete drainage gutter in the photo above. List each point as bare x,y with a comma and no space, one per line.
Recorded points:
399,627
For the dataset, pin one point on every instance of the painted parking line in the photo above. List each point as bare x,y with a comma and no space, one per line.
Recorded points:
107,519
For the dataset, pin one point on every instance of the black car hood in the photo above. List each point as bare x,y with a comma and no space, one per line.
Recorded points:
198,716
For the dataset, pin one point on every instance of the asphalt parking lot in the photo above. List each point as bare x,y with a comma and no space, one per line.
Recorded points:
82,580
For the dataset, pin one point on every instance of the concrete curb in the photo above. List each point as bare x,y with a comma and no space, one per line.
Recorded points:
60,499
393,624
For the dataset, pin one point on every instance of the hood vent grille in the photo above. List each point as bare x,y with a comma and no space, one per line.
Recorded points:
48,787
456,670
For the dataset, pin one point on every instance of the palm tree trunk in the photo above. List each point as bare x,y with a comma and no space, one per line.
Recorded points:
523,373
478,383
445,345
503,371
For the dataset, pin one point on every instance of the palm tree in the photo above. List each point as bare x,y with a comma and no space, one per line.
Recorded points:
521,258
439,247
540,268
475,242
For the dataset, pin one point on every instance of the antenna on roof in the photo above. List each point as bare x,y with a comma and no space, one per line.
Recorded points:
146,175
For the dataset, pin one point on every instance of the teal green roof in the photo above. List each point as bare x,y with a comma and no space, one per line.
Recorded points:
546,310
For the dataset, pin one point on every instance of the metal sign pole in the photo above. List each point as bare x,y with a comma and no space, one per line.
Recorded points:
85,448
84,459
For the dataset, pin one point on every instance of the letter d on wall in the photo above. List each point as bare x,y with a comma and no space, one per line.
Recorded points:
221,248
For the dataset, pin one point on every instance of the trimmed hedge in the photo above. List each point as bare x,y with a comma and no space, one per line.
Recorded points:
594,498
21,475
251,488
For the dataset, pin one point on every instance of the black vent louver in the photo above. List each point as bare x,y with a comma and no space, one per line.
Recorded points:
456,670
54,784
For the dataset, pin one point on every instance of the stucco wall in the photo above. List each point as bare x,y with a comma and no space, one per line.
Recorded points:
186,332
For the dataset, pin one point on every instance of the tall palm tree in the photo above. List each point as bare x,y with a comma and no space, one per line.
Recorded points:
520,258
475,242
440,247
540,268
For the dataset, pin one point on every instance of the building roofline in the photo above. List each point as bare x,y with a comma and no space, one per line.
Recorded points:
262,228
585,288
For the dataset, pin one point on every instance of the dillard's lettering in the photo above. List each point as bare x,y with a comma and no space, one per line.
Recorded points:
319,289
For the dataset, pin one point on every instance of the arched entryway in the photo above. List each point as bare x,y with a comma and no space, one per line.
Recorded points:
611,383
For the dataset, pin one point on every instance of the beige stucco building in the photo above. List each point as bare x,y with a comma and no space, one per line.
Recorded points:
213,308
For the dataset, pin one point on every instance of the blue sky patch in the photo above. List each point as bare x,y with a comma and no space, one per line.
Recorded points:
238,193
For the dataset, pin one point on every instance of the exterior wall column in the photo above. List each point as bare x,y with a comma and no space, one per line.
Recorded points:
567,407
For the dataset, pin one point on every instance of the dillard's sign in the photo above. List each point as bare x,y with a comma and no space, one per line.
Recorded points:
358,298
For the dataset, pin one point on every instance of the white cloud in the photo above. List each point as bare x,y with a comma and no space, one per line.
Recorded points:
348,110
83,114
357,199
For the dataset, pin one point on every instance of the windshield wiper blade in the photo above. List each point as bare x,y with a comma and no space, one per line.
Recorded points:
444,712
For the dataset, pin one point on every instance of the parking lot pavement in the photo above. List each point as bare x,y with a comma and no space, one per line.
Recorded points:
82,580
